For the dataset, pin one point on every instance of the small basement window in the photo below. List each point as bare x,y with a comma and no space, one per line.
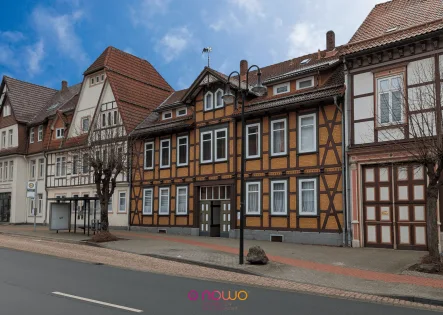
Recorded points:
276,238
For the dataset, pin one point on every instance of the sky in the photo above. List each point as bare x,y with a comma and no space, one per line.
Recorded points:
46,42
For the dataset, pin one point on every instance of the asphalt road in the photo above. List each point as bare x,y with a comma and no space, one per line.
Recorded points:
28,282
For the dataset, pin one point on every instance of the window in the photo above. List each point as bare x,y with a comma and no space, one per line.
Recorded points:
11,170
1,170
278,137
110,205
165,152
31,135
103,120
149,155
85,124
41,168
208,100
282,88
252,197
115,117
3,139
40,133
182,200
307,133
6,110
305,61
215,193
308,196
219,99
10,137
221,144
181,112
389,95
182,151
206,146
75,164
31,206
60,166
40,204
253,141
164,201
167,115
85,163
32,167
305,83
122,202
147,200
278,197
92,81
59,133
5,171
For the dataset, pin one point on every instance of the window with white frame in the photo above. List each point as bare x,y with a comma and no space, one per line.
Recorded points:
215,192
148,197
11,137
167,115
209,101
85,124
206,147
305,83
181,112
278,197
1,170
40,133
278,137
182,200
164,200
252,197
59,133
60,166
122,201
109,115
282,88
3,139
11,170
31,135
31,206
389,99
110,205
41,168
75,164
5,172
253,141
221,145
307,133
40,204
307,199
32,168
182,151
219,98
85,163
6,110
165,153
149,155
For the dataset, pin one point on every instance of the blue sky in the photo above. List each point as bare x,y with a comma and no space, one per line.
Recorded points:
50,41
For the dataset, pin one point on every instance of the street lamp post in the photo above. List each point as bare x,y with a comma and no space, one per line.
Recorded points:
228,97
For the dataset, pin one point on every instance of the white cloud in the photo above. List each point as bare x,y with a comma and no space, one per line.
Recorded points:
226,23
250,7
59,29
35,55
12,36
304,38
174,43
143,10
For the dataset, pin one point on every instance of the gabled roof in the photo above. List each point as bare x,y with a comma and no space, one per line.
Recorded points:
396,20
175,99
27,99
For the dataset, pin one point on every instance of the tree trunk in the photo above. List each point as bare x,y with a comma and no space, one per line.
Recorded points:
104,215
431,220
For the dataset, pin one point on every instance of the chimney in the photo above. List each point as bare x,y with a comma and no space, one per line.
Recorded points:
330,40
64,85
243,69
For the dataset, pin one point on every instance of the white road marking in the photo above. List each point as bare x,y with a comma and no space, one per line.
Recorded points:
98,302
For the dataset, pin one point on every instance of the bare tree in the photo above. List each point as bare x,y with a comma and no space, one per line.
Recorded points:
414,126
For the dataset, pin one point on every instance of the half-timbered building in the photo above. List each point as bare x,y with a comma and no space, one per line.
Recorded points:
392,62
186,162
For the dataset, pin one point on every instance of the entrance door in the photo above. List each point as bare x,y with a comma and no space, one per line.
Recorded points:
215,218
5,207
394,206
205,211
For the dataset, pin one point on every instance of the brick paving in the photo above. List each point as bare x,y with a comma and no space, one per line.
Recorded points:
144,263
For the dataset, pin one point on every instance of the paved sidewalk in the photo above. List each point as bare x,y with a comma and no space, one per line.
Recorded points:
372,271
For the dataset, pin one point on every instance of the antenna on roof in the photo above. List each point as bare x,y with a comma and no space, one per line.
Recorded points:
207,50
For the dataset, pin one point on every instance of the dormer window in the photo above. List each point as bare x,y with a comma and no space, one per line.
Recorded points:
282,88
181,112
167,115
31,135
219,99
59,133
6,110
209,101
305,83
